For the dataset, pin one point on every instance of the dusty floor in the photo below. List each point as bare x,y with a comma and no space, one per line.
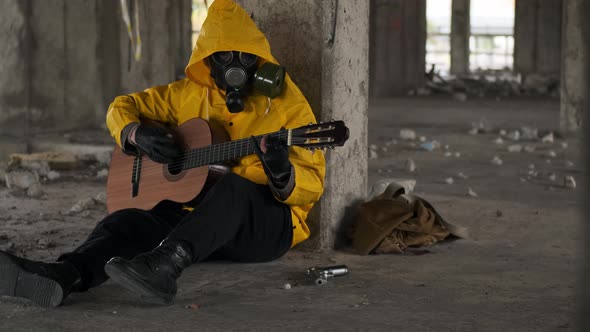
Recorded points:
518,272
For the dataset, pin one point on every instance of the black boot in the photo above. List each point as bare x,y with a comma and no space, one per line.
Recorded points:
45,284
152,275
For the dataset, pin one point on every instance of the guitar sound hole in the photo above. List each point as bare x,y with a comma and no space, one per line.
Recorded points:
174,168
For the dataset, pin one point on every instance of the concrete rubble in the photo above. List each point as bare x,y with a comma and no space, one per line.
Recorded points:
497,161
569,182
407,134
410,165
488,83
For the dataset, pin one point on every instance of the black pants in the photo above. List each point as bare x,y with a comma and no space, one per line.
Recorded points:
236,220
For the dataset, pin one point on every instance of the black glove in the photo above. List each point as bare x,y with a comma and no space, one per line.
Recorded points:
157,143
275,160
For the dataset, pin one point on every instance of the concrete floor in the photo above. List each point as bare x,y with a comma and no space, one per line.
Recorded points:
517,272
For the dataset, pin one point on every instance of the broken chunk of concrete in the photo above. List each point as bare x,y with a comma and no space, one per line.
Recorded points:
499,141
422,139
55,160
569,182
82,205
373,154
514,148
502,132
552,176
21,179
102,174
407,134
514,135
448,154
53,175
410,165
529,148
548,138
101,198
564,145
470,192
457,154
462,176
497,161
551,154
449,180
529,133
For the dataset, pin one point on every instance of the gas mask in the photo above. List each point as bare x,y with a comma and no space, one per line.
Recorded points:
239,75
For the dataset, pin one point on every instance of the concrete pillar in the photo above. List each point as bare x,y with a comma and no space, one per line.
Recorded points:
537,36
398,46
14,80
164,26
460,32
574,77
327,56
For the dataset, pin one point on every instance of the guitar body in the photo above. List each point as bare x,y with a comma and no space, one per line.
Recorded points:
156,181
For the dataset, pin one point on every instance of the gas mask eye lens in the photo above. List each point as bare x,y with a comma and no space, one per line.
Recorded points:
223,58
247,59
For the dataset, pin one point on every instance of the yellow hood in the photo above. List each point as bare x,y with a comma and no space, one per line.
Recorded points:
227,28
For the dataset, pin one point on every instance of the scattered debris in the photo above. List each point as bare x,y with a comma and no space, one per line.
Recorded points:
446,147
407,134
470,192
82,205
287,286
53,175
513,136
101,198
449,180
422,139
552,176
457,154
430,146
392,142
21,179
551,154
564,145
548,138
373,154
569,182
497,161
529,134
531,166
529,148
533,173
104,173
462,176
502,132
410,165
55,160
499,141
383,149
569,163
448,154
473,131
514,148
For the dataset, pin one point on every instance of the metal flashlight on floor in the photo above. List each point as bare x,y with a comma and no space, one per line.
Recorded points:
321,274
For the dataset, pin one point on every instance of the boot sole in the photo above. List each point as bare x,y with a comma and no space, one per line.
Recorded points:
136,285
17,282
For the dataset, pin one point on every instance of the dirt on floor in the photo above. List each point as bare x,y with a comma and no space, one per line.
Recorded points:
519,270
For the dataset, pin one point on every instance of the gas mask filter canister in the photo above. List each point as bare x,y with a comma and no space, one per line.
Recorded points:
238,74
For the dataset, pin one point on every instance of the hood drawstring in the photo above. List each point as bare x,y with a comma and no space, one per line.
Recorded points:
267,107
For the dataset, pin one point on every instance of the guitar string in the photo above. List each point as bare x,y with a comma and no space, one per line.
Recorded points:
148,170
203,157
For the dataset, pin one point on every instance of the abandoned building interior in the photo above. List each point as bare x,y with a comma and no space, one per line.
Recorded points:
475,108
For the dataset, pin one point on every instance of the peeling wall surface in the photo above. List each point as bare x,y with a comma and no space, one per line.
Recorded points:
398,46
574,77
537,33
64,61
324,46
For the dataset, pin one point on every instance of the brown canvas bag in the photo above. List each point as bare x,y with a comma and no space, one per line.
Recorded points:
394,221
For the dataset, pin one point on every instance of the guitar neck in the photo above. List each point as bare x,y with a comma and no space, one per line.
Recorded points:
217,153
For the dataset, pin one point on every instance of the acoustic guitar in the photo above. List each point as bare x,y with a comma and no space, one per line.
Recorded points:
139,182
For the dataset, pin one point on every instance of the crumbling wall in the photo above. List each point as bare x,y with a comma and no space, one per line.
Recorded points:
64,61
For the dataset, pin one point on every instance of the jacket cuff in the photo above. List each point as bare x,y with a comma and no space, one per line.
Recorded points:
126,145
284,193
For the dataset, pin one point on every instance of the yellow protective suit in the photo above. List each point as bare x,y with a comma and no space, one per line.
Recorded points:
228,27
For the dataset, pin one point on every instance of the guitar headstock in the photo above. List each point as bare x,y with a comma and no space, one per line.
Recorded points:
320,135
